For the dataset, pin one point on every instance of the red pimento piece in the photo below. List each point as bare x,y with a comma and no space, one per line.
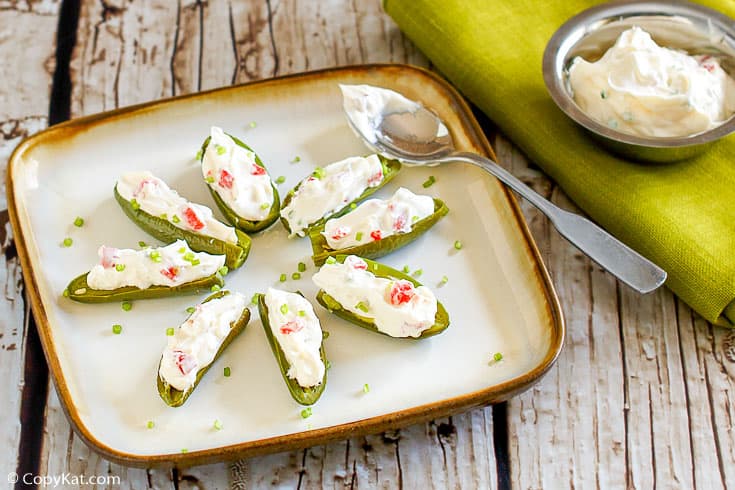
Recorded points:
400,223
401,292
375,179
340,233
291,327
184,362
375,235
357,263
171,272
257,170
109,255
709,67
192,219
141,187
226,179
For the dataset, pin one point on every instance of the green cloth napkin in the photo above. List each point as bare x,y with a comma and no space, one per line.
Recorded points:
680,215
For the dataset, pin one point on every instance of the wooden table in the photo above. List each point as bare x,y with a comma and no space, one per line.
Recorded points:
640,397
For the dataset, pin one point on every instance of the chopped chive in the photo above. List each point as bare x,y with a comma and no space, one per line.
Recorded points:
196,262
182,250
184,450
406,269
191,309
150,424
281,179
142,244
199,155
362,306
79,222
188,256
134,204
221,150
253,124
127,305
254,299
67,242
209,179
358,236
283,278
227,371
296,276
444,280
603,94
223,270
65,293
429,182
170,332
175,219
215,288
117,329
353,205
366,388
325,334
302,313
164,216
155,256
265,205
119,267
319,173
301,267
284,308
331,260
375,267
217,425
497,357
296,159
458,245
417,273
414,219
329,364
306,413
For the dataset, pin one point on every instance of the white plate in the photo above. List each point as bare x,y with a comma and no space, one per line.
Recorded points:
498,295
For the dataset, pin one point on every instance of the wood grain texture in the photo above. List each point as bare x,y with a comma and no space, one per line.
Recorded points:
27,48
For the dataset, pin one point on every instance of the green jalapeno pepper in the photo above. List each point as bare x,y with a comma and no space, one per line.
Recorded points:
244,224
441,319
377,248
304,396
79,290
167,232
390,169
176,398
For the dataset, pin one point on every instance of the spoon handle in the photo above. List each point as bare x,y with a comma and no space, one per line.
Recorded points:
613,255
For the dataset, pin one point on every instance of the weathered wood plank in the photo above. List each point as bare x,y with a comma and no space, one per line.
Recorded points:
27,48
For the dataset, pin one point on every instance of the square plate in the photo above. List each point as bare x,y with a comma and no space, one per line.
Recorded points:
499,296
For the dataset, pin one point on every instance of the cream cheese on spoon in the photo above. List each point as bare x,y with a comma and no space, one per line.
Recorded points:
641,88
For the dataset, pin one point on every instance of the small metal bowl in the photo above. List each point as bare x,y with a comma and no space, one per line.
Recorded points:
679,25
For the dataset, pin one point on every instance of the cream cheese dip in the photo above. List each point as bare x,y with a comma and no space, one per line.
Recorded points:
365,106
172,265
641,88
156,198
376,219
296,328
395,306
195,343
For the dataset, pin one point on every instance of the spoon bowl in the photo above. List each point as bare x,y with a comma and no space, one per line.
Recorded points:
417,137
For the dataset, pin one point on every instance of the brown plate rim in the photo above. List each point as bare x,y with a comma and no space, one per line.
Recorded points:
422,413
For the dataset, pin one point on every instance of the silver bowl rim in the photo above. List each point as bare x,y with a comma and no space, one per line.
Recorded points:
562,98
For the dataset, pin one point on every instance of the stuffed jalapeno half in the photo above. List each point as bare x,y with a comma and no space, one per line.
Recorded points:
239,182
198,342
379,298
163,214
377,227
296,338
126,274
330,191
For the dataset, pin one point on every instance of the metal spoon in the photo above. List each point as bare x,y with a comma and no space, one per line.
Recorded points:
420,138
